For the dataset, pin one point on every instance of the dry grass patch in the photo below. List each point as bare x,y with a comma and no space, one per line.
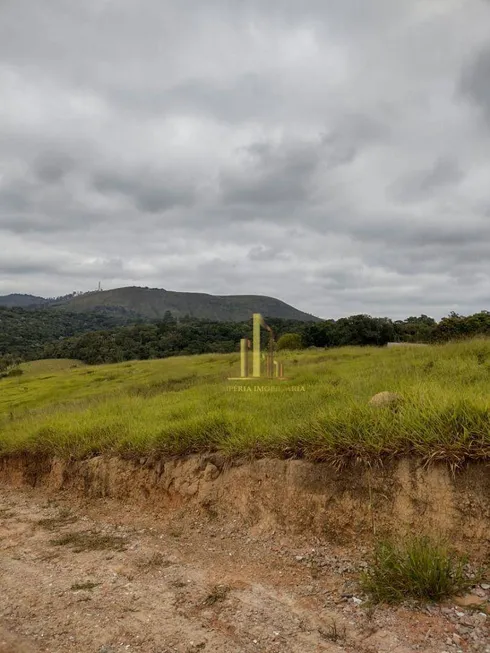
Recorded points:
154,561
64,518
90,541
87,586
216,595
334,632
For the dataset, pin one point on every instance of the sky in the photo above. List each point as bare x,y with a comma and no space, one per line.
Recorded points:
335,155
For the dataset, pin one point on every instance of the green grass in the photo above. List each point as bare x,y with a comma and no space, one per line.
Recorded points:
419,569
183,405
34,368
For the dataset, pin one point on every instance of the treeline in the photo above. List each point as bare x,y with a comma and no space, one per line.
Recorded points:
104,338
161,339
366,330
189,336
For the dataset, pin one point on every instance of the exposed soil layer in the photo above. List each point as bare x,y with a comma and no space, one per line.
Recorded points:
292,497
109,555
101,576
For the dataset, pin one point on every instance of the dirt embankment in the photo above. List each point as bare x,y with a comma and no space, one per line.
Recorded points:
293,497
109,555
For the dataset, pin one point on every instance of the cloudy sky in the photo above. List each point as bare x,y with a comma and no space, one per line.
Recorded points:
334,154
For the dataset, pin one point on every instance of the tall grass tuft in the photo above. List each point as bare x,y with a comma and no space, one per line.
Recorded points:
420,569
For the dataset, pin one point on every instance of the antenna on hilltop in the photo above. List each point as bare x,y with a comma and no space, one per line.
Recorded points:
99,289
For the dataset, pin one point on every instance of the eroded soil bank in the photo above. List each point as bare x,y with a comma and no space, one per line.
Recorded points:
109,555
291,497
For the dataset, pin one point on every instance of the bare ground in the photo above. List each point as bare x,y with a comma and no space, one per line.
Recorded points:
101,576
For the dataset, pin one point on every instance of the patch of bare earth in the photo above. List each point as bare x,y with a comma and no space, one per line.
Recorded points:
98,576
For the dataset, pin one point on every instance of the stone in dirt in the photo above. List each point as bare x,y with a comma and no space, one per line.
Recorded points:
468,600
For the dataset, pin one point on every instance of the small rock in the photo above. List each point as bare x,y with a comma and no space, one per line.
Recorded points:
468,600
386,400
463,630
485,586
300,558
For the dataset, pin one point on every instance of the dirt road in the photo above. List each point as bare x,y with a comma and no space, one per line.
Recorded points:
101,577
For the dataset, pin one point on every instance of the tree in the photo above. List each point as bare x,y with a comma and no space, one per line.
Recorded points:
364,330
290,341
415,329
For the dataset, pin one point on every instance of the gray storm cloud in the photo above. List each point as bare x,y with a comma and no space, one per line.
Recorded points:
333,154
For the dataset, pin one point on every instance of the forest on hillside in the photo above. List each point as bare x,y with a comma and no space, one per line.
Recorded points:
24,332
100,338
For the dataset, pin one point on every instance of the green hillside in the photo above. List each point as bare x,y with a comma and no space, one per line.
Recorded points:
153,303
186,404
25,332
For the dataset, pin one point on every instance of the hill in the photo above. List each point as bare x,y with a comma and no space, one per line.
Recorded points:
153,303
21,301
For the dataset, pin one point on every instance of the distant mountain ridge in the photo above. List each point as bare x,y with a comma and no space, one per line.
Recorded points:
16,300
153,303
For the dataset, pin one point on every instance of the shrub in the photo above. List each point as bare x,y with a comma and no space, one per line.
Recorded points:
290,341
15,372
10,373
420,569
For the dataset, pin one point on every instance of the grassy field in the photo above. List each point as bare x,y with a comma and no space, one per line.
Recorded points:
185,404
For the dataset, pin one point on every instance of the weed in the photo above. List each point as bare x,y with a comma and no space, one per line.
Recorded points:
211,511
369,610
49,557
89,541
217,594
153,561
334,633
64,517
420,569
84,586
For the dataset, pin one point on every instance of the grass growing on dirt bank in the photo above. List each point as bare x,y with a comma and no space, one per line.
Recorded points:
419,569
184,404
